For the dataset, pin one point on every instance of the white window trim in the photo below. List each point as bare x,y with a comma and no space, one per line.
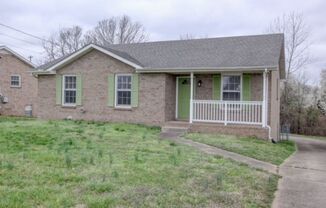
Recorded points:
231,74
116,91
19,79
63,90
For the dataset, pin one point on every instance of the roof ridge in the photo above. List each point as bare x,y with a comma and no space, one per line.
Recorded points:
198,39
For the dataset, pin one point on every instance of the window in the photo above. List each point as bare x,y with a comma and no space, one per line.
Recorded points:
123,90
15,81
232,87
69,90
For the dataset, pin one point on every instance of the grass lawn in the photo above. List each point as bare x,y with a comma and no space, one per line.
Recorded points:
94,164
251,147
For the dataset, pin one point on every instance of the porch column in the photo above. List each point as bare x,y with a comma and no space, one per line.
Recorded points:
264,107
191,96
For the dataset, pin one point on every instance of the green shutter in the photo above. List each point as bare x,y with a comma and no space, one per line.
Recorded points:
216,87
111,87
246,87
79,89
134,90
58,89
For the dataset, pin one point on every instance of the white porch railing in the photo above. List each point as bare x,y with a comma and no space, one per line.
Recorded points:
235,112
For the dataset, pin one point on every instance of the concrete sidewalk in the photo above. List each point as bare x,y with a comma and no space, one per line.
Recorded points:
303,183
226,154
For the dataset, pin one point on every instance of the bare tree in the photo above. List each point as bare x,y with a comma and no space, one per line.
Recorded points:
323,85
187,36
108,31
116,30
296,34
63,42
297,41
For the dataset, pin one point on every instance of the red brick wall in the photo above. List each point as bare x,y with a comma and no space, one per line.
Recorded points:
18,97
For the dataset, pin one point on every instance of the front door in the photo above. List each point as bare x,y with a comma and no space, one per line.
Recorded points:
183,98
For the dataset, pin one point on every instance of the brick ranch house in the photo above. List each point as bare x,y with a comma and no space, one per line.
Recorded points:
223,85
18,87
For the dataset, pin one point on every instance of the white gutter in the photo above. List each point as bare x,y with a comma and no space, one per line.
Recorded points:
36,73
205,69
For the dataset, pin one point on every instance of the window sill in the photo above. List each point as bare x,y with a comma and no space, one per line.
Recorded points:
121,108
69,106
16,87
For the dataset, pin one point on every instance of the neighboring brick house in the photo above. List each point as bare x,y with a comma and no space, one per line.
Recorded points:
18,87
226,85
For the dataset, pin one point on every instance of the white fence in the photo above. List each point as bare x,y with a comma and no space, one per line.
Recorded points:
236,112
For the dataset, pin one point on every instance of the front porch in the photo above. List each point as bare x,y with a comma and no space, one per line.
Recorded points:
226,102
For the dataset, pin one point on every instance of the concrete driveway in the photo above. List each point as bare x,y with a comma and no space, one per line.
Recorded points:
303,182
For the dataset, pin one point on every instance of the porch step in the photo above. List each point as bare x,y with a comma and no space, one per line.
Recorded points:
174,129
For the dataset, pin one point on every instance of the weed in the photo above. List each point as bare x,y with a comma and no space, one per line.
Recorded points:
144,136
101,135
103,178
119,129
89,144
115,174
179,151
173,159
50,146
219,179
66,149
100,153
101,187
84,158
7,165
91,160
173,144
110,158
136,157
69,142
80,131
68,161
78,121
24,155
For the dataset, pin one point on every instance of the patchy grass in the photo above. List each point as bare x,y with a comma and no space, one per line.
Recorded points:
251,147
96,164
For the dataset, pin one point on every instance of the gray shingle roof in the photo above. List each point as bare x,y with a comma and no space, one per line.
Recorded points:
51,63
227,52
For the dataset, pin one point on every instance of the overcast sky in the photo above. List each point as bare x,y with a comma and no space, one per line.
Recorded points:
163,20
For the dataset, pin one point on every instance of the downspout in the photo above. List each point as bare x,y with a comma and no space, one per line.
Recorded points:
191,96
266,106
